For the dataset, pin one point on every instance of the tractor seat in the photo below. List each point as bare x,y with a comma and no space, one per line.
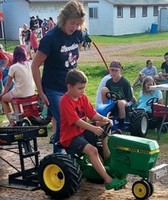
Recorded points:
28,106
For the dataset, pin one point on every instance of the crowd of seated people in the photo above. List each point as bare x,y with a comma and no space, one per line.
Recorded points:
148,76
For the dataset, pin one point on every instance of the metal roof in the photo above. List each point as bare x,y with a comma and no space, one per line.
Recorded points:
139,2
55,1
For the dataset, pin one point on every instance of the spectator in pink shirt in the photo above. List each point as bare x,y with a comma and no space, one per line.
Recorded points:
33,39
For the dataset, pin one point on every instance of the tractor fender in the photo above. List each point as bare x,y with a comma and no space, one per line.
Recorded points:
103,109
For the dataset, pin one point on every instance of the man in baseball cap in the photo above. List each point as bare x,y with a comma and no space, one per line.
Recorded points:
115,64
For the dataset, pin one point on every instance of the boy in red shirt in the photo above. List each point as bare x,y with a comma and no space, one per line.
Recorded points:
75,108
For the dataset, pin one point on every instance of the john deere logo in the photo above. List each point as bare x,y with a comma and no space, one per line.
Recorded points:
41,131
18,136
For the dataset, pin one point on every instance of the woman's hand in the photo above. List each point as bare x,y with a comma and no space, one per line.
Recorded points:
44,99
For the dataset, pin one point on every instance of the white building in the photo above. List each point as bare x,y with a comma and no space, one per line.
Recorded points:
18,12
105,17
120,17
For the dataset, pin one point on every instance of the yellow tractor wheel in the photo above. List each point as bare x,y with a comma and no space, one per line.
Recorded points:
59,175
141,190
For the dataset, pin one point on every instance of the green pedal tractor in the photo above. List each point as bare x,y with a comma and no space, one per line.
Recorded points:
60,174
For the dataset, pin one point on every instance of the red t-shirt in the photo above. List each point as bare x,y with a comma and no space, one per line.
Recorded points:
2,57
70,112
34,41
7,54
10,56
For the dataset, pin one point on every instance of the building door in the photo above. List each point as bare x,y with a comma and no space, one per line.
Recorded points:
163,25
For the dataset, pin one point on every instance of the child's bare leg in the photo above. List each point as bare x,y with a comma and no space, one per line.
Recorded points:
103,94
121,108
121,114
106,151
93,155
6,107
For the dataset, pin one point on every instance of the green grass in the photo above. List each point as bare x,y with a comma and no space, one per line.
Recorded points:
9,45
145,37
157,51
95,71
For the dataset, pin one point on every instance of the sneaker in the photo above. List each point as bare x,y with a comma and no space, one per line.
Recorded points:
116,184
52,139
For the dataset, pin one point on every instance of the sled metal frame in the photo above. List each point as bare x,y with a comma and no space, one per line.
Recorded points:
25,177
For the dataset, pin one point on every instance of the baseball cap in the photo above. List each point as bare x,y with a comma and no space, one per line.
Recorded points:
115,64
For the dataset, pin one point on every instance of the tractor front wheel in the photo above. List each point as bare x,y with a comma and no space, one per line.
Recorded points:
59,175
141,190
151,188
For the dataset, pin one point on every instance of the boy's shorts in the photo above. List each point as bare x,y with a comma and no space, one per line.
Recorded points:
78,143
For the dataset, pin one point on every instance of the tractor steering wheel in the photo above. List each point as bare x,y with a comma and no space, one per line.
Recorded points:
106,127
112,95
151,101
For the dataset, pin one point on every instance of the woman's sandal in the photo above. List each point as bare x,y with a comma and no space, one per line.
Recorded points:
116,184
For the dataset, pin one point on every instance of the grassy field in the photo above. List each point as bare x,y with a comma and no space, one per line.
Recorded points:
96,70
145,37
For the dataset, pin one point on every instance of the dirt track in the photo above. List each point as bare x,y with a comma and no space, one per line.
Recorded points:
124,52
87,190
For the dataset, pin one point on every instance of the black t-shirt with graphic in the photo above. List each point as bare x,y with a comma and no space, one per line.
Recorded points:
62,52
122,88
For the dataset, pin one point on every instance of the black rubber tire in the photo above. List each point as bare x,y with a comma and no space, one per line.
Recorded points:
59,175
151,188
138,124
24,122
141,190
42,122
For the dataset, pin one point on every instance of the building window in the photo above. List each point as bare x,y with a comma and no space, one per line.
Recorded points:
132,12
119,11
155,11
93,13
144,11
